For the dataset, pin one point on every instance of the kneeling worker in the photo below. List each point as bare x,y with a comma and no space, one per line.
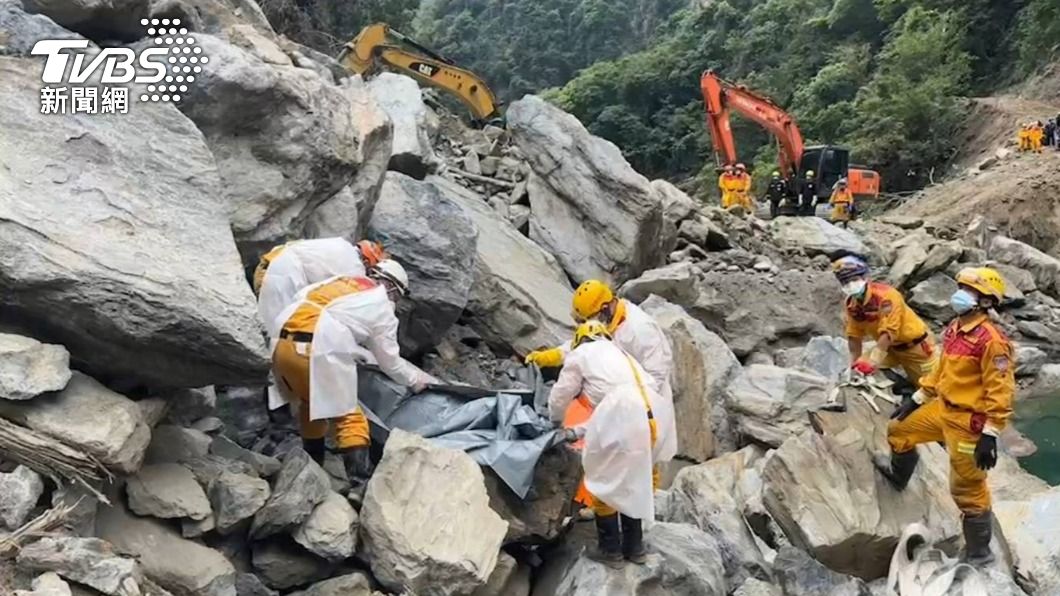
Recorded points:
878,311
622,438
965,403
329,328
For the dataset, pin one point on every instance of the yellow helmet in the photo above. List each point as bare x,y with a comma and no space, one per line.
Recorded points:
590,298
984,280
591,329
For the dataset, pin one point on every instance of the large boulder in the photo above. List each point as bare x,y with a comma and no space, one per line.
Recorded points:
677,207
299,487
244,413
1032,527
704,368
401,98
826,356
20,31
440,540
175,444
330,531
520,297
285,138
88,416
769,404
235,498
436,242
800,575
931,297
827,496
29,368
589,207
540,517
96,19
284,565
128,300
1044,268
264,465
816,236
19,492
677,282
89,561
167,491
353,584
919,256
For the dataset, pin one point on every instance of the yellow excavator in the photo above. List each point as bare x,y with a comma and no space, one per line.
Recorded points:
378,46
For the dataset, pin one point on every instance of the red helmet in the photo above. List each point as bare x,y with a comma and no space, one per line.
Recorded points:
371,252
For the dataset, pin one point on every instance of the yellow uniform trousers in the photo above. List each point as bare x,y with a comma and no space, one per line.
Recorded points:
936,421
290,363
917,360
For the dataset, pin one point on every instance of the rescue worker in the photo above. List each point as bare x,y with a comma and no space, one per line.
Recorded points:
842,202
808,194
321,337
965,403
1037,136
729,185
776,193
879,312
1050,133
622,438
1023,137
743,188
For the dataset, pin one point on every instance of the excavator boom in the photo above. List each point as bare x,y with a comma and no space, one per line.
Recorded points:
377,46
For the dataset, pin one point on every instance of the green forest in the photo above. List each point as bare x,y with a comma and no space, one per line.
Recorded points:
883,77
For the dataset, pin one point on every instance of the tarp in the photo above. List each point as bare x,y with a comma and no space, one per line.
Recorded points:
502,431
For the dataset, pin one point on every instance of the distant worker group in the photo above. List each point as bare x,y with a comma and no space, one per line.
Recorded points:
1034,136
735,186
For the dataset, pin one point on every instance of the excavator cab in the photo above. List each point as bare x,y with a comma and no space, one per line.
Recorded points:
829,163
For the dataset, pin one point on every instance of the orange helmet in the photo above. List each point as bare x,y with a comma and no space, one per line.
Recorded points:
371,252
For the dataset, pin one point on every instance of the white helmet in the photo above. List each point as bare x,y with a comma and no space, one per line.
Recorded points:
392,271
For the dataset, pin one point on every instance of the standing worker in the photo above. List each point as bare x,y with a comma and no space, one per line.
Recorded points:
1037,135
622,438
842,202
729,185
1024,137
329,328
1050,133
743,188
808,194
965,403
776,193
878,311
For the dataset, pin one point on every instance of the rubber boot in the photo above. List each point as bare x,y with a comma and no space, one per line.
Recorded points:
358,464
898,469
977,532
315,449
633,540
608,541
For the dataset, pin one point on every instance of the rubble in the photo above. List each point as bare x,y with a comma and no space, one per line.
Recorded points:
89,561
29,368
298,488
330,531
19,492
167,491
235,498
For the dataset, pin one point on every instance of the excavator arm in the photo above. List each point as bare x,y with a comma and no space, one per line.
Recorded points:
378,46
721,97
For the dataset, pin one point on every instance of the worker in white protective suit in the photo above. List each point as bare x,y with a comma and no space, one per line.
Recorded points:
321,337
286,269
623,438
633,330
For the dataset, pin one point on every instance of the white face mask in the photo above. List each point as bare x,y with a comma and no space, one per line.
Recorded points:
854,288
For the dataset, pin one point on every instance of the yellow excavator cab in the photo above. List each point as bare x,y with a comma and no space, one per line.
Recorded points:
378,46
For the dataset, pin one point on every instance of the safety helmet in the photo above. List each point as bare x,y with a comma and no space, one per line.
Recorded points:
589,331
842,182
371,252
392,271
776,174
740,166
590,298
809,173
850,268
984,280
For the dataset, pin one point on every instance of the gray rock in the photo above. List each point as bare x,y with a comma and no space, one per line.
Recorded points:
353,584
441,541
757,587
472,164
1029,360
244,412
285,139
330,532
153,410
519,216
175,444
235,498
816,236
436,242
299,487
83,507
109,19
519,297
704,233
19,492
189,405
88,416
1034,535
20,31
682,561
192,528
678,282
1021,279
826,356
704,368
29,368
540,519
589,207
902,221
184,567
284,565
47,584
770,404
248,584
1045,384
677,207
912,252
506,579
89,561
931,297
266,466
1044,268
401,98
800,575
209,467
167,491
209,425
174,330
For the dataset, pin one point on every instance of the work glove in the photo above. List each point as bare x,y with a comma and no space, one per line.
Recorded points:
864,367
986,452
549,358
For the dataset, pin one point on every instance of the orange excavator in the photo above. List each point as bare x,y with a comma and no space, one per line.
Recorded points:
829,163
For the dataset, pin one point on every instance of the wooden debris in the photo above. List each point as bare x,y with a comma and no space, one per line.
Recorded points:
50,457
37,528
483,179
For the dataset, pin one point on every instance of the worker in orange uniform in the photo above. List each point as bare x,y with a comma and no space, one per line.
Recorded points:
879,312
743,191
842,202
729,185
1024,137
965,402
622,438
330,328
1037,136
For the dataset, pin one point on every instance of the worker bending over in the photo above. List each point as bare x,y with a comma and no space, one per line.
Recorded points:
879,312
622,438
965,403
842,202
776,193
330,328
729,184
743,188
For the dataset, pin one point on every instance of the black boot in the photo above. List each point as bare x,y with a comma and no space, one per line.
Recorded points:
633,540
358,464
898,469
608,541
977,532
315,449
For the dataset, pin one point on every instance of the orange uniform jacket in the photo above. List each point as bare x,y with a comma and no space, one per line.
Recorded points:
883,310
